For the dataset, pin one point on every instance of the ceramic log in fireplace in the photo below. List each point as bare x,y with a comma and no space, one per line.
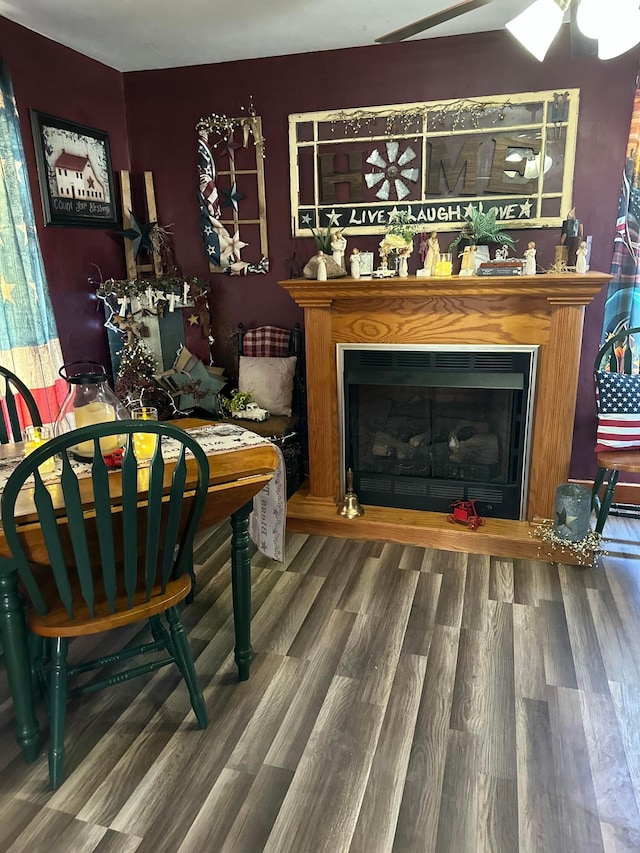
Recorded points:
545,312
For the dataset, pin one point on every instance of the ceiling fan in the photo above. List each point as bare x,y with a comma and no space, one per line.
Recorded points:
580,44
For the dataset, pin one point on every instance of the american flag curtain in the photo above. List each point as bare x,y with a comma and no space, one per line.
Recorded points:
29,344
622,308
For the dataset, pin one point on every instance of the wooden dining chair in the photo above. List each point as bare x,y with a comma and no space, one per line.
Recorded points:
10,428
617,375
112,549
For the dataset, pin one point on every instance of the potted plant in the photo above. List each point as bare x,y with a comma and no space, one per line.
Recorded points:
480,229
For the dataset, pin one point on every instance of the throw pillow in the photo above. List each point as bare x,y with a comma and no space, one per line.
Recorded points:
618,396
270,380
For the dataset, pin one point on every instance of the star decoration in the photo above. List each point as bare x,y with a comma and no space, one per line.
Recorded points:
193,320
305,219
525,209
7,290
564,519
236,244
468,211
232,197
230,146
139,234
333,217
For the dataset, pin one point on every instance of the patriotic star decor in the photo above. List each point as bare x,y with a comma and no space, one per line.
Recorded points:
618,397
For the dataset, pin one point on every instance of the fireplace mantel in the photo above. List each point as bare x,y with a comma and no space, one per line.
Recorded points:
545,310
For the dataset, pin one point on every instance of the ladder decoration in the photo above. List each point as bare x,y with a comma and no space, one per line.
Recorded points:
221,236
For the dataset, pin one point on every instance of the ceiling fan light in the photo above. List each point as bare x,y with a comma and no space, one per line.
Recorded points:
612,43
591,17
537,26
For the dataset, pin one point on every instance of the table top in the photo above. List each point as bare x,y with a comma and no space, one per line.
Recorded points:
235,477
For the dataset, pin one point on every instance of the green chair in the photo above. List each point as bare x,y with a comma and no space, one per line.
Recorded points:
118,551
10,429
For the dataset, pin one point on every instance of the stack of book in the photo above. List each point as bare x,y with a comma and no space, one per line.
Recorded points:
510,266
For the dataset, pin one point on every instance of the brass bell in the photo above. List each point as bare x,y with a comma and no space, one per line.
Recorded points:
350,507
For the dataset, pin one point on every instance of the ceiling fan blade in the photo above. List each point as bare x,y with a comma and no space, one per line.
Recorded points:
581,45
432,21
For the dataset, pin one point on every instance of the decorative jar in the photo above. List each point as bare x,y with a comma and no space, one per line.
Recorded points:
89,400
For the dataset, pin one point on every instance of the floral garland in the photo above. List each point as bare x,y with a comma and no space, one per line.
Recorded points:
586,550
163,287
462,111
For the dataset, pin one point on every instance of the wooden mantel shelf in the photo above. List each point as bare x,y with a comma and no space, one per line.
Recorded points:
546,311
567,289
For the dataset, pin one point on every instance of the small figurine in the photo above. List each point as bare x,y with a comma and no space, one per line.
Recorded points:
530,259
468,265
403,262
338,247
321,275
354,263
581,258
433,253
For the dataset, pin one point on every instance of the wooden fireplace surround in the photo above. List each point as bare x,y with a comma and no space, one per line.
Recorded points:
547,310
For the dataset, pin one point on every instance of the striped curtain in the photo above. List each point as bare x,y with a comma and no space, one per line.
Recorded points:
622,308
29,344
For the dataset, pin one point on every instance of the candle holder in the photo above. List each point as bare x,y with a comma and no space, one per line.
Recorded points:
572,512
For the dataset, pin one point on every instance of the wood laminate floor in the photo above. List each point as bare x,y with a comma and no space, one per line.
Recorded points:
401,700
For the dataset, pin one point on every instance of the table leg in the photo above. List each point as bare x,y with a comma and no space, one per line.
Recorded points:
13,631
241,588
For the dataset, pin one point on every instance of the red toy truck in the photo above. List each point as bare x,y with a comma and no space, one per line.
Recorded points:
464,512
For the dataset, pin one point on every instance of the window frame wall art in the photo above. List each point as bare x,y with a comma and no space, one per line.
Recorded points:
231,155
439,161
75,173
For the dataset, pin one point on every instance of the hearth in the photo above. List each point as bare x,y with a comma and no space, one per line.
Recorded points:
425,425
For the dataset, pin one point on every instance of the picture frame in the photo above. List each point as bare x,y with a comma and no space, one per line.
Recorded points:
366,264
75,173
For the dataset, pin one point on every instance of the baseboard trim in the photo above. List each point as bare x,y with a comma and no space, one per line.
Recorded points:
626,493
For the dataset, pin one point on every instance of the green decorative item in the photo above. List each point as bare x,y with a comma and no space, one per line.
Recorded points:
481,228
238,401
322,239
140,234
197,387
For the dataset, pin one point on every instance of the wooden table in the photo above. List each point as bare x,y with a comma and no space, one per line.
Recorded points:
236,476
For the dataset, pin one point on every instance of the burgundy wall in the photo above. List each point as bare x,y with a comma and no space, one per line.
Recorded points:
53,79
164,106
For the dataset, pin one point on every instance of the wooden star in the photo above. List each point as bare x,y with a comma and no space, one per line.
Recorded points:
232,197
139,234
194,320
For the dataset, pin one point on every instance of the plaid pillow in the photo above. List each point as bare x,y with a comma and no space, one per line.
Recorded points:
618,396
267,342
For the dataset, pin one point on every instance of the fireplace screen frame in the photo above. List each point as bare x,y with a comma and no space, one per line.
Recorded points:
528,406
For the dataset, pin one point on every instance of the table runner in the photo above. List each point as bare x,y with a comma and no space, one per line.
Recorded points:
267,520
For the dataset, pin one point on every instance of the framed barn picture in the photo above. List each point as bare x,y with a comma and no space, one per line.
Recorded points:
74,169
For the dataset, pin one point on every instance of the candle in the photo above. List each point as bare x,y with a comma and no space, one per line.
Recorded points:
172,302
185,293
144,444
34,437
96,412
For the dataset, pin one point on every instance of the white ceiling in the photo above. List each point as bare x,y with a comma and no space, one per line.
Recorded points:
133,35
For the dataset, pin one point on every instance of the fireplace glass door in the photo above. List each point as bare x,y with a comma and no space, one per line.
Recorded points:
425,427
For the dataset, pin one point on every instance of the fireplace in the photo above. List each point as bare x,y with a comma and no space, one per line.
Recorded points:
542,312
423,426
